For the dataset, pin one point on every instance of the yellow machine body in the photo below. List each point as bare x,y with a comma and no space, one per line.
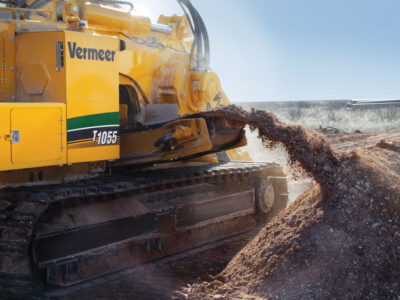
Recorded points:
87,87
27,140
63,83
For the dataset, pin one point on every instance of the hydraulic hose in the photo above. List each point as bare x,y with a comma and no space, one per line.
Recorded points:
201,43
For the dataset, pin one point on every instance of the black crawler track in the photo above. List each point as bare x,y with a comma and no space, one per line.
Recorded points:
22,208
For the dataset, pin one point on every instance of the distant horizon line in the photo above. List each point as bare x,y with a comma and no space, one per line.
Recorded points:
310,100
315,100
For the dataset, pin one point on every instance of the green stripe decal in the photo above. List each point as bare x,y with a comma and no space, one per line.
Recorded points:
111,118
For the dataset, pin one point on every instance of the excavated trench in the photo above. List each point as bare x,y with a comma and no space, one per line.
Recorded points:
340,239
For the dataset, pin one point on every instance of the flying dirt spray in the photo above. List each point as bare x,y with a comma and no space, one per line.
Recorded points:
297,182
311,151
337,240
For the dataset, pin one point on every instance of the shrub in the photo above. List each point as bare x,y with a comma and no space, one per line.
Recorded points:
388,113
295,114
303,104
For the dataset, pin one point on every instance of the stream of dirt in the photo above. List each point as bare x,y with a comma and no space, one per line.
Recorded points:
340,239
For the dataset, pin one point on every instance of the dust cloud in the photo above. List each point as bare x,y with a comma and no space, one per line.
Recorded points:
340,239
259,152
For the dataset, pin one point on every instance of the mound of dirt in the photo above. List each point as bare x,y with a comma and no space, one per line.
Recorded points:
340,239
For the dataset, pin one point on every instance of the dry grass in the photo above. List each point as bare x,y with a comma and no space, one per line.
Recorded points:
318,114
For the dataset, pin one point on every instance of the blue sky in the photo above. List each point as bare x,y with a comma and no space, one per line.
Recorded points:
266,50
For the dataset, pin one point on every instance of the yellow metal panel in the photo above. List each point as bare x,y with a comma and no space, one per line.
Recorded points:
92,84
38,78
41,137
92,96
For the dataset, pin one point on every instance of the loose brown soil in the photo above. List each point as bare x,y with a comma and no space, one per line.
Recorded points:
161,279
340,239
348,141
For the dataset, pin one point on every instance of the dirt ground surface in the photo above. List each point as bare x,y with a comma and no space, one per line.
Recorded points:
161,280
350,141
339,239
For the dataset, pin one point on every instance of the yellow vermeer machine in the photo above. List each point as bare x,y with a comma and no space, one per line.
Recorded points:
106,160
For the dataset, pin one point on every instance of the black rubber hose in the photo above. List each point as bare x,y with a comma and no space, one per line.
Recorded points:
201,42
197,32
203,33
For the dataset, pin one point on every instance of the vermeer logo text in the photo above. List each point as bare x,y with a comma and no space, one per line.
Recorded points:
90,53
